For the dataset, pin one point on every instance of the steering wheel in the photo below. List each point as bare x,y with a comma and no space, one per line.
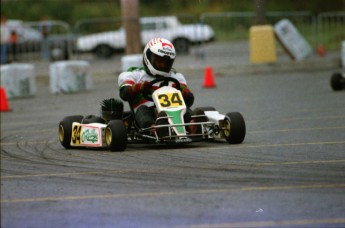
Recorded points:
165,81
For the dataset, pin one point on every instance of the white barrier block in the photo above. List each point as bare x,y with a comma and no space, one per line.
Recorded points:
343,53
297,47
18,79
70,76
131,61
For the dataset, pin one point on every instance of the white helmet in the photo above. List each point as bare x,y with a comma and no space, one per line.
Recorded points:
158,57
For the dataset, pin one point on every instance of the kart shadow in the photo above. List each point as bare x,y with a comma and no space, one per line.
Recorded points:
134,147
202,144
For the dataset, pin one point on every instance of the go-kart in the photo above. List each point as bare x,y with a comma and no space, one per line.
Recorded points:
119,128
337,81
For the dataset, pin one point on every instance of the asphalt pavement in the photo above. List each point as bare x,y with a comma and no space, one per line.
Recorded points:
288,172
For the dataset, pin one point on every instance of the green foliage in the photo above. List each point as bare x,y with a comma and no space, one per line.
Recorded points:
74,10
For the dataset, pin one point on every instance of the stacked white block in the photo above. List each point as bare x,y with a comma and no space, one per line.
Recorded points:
70,76
128,61
295,44
19,80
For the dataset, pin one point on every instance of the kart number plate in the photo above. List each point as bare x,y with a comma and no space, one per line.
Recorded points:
85,135
170,100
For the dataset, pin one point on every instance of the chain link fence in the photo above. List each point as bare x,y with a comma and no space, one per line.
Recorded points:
235,26
60,40
331,29
50,40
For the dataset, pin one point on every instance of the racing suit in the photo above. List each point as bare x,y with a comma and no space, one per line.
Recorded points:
144,110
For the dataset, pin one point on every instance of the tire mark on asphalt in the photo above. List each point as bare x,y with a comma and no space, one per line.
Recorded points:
169,170
170,193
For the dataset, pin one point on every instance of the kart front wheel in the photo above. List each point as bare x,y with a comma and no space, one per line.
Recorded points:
65,129
234,128
116,135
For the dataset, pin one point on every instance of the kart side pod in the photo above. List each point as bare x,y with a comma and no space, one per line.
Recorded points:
218,120
231,126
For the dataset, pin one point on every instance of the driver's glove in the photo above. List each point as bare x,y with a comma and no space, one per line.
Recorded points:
188,97
137,88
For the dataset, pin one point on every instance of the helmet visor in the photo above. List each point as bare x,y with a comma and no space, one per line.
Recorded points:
161,63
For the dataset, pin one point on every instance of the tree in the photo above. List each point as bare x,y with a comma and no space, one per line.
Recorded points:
260,6
130,20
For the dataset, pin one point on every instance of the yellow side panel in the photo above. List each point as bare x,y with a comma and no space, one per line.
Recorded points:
262,44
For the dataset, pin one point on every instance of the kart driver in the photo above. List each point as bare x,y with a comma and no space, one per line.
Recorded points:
158,58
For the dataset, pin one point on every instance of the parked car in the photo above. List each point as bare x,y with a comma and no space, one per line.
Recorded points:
105,44
58,43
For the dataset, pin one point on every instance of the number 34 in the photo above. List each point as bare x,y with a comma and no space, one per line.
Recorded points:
170,100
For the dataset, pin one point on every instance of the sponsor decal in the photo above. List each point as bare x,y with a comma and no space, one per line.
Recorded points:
167,44
83,135
166,52
183,140
90,136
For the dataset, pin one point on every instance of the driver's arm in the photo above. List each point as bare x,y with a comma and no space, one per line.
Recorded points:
129,85
124,93
186,93
187,96
128,92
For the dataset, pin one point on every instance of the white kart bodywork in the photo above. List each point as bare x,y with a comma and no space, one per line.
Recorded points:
218,119
88,135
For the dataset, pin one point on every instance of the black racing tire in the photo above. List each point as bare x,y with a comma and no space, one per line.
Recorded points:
337,82
181,45
92,119
116,135
65,129
103,51
234,128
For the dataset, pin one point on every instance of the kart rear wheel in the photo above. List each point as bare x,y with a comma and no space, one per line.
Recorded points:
65,129
92,119
234,128
337,81
116,135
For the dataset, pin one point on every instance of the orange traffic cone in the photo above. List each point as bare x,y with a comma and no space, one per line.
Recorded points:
208,79
3,101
